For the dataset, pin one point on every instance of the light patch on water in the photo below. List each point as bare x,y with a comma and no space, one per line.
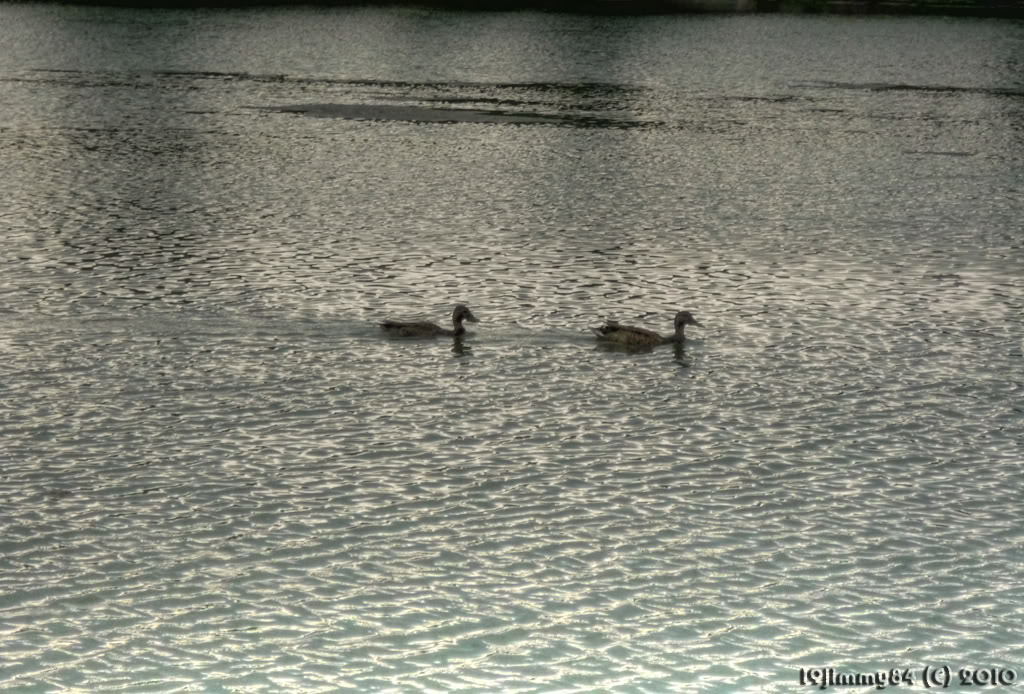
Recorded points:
219,474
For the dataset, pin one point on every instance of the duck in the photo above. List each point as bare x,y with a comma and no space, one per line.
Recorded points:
428,329
641,337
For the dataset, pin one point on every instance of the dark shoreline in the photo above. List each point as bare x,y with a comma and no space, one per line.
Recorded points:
1010,9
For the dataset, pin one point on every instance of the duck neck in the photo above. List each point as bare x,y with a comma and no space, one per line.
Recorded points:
459,329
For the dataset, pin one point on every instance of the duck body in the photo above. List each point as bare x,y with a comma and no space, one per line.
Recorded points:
418,329
630,335
641,337
427,329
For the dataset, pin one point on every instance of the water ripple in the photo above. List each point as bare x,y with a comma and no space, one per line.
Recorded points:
218,474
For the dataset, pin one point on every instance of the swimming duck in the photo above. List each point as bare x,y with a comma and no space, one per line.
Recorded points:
641,337
428,329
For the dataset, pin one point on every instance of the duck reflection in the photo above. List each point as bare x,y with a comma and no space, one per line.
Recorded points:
460,348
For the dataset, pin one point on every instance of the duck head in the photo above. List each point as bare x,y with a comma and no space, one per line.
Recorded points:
684,318
462,313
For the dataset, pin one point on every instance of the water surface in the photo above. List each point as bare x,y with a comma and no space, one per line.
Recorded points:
218,475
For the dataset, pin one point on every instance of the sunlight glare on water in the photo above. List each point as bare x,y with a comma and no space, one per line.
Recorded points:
219,475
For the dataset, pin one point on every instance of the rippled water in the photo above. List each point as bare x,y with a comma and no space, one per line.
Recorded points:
218,476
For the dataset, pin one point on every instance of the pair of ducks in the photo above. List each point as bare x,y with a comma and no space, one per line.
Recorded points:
610,331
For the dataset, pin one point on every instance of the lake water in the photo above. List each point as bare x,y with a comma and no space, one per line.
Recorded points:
217,475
